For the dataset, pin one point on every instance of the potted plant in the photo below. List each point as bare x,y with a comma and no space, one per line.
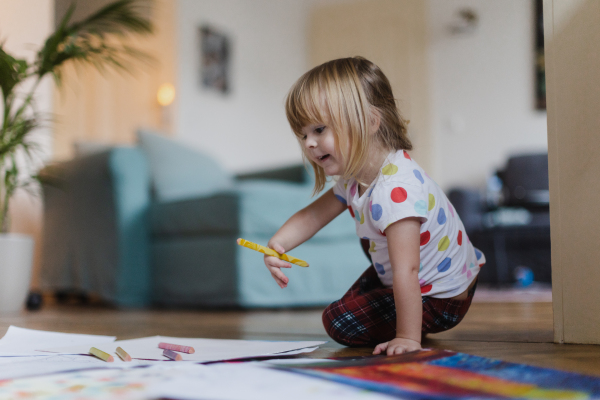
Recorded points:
96,40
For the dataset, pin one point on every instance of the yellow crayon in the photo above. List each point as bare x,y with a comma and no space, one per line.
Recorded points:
101,355
123,354
271,252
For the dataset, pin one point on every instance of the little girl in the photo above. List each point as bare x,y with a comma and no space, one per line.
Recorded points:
424,268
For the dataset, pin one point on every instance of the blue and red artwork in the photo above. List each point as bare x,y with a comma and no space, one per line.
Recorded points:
443,374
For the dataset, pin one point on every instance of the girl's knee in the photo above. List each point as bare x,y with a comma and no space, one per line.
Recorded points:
343,328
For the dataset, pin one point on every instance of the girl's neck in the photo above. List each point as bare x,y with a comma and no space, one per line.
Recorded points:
370,171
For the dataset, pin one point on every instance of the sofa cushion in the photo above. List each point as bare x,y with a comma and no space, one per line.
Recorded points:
179,172
213,215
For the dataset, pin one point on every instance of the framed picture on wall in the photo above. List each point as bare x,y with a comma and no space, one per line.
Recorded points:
214,60
540,66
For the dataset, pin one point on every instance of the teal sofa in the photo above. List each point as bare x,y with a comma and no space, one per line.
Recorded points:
156,225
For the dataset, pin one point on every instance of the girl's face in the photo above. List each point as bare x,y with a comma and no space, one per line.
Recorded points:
319,144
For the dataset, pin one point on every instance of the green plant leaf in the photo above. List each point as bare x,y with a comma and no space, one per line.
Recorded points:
98,40
12,72
86,41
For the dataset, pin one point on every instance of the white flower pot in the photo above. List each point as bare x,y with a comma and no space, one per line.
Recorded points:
16,260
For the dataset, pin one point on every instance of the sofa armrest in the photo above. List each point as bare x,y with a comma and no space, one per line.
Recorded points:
96,235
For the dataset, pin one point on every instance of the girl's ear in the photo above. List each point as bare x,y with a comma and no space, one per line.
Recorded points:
375,121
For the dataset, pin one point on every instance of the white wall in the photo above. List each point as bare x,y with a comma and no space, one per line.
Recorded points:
482,81
247,129
483,85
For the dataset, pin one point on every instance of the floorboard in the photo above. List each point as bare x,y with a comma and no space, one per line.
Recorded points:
516,332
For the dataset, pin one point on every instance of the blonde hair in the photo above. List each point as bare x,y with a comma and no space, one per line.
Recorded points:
349,93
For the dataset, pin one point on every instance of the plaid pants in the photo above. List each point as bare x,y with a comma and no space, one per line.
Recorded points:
366,314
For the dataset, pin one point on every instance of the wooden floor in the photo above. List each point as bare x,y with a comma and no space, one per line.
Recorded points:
516,332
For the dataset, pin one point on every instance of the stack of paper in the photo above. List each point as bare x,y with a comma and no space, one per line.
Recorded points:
19,357
205,349
27,352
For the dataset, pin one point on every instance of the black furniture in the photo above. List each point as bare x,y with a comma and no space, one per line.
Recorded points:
515,232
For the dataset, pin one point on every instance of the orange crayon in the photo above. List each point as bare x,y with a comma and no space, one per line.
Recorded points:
271,252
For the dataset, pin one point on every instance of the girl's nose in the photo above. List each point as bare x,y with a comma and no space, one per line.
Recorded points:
310,142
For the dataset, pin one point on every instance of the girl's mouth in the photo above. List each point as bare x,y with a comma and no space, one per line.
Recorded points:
323,158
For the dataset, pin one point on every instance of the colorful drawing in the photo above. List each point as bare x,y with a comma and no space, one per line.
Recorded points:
114,384
441,374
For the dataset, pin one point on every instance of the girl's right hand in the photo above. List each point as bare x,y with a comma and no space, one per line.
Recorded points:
275,264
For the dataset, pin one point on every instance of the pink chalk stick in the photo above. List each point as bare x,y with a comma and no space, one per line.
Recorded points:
176,347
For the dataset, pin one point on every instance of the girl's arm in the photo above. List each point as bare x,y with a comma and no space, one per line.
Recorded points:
299,228
403,239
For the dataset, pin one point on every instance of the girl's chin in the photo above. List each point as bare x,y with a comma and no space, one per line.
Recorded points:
332,171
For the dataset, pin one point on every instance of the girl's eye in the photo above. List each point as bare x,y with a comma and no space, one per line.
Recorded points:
303,137
320,129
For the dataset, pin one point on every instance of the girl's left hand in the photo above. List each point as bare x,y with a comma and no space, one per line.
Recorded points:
397,346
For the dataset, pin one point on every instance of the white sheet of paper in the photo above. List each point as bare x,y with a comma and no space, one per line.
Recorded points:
249,381
22,367
33,366
24,342
205,349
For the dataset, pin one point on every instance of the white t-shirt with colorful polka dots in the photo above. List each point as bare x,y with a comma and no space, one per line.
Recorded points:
449,262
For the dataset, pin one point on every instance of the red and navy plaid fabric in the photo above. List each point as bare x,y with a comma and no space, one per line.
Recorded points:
366,315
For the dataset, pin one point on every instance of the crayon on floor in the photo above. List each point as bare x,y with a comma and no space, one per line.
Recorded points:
101,355
123,354
271,252
172,355
176,347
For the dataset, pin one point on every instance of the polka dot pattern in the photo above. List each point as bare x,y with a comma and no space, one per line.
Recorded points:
418,175
443,244
425,236
421,207
444,265
399,195
451,209
403,190
389,169
376,212
431,202
441,219
478,254
341,199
